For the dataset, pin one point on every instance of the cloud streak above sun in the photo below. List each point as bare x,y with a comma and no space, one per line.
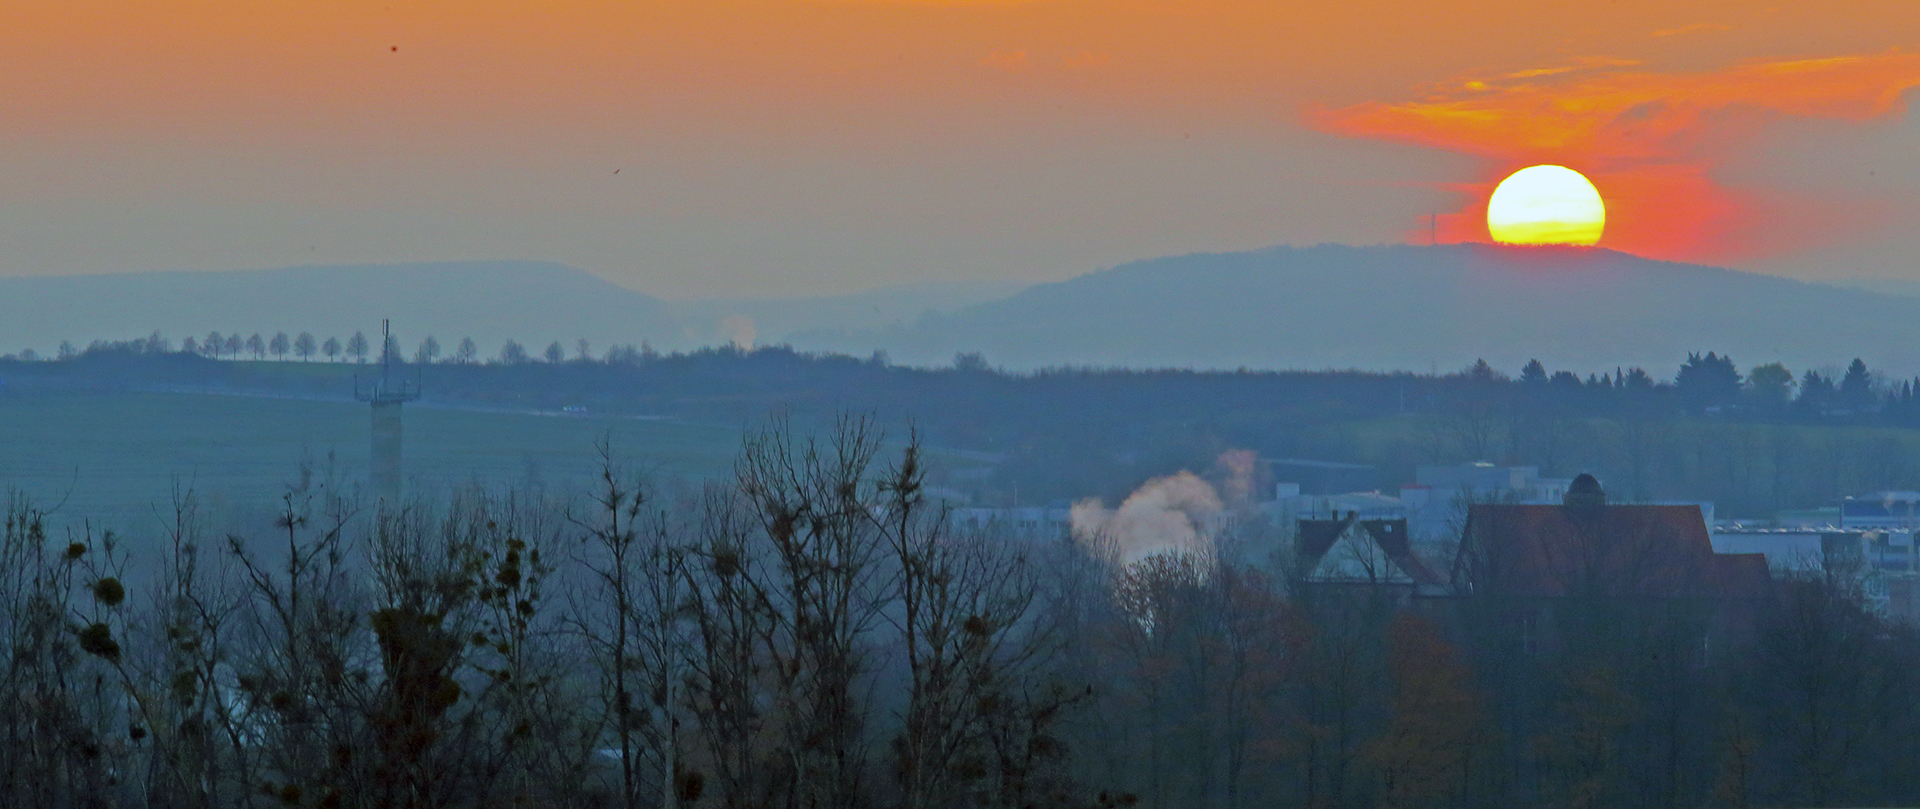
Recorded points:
1651,141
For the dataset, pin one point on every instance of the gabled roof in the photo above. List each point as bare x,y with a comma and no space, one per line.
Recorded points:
1355,550
1599,550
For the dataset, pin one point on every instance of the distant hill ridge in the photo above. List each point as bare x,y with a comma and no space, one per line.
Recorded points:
533,302
1412,308
1370,308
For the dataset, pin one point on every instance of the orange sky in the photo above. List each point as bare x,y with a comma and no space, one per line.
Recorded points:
1651,140
785,146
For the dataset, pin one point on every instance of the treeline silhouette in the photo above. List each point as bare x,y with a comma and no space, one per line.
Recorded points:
1708,384
1754,442
812,632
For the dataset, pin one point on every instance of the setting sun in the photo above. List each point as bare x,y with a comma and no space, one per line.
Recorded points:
1546,205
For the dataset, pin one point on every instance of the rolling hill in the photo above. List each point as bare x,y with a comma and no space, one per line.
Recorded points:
491,301
1413,308
1372,308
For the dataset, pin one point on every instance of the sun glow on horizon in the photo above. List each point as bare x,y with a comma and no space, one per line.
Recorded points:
1546,205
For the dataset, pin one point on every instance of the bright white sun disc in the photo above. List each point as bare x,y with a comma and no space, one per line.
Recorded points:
1546,205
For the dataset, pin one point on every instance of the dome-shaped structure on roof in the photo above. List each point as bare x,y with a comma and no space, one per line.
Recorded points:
1585,493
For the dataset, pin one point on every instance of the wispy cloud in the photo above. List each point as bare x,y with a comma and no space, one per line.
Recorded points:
1650,140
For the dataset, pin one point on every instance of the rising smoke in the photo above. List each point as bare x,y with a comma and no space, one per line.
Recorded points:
740,331
1179,514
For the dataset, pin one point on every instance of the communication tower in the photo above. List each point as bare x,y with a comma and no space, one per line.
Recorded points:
386,395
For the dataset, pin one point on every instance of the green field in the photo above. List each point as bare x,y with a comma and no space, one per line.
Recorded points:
113,458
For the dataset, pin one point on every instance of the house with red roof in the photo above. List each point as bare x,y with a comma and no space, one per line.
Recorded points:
1545,562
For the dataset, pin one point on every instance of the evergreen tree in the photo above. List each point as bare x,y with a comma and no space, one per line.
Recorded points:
1708,382
1856,388
1817,393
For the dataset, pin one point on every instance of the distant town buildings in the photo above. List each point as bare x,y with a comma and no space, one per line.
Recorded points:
1028,522
1460,529
1438,499
1885,510
1311,477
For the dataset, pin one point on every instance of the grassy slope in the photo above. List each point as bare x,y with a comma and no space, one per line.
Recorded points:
113,457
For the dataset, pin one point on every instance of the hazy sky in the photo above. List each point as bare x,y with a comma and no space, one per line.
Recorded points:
772,147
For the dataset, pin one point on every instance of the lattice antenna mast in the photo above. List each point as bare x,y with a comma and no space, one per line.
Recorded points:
386,398
384,390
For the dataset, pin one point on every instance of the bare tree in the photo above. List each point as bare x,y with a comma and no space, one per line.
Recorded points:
972,648
303,680
57,742
811,501
728,683
304,346
636,621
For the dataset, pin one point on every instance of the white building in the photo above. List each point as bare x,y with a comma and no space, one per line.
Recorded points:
1026,522
1885,510
1803,550
1437,500
1289,506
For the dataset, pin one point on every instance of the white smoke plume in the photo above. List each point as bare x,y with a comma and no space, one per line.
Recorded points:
1175,514
740,331
1237,468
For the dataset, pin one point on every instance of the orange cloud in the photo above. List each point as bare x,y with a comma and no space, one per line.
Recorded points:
1650,141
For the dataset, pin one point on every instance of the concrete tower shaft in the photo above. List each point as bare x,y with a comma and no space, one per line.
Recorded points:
386,395
386,450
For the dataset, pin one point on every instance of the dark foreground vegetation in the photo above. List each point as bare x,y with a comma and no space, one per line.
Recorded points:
1753,442
812,633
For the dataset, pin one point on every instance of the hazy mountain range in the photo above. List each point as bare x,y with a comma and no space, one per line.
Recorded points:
534,303
1417,308
1394,307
